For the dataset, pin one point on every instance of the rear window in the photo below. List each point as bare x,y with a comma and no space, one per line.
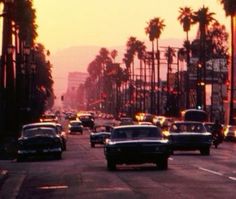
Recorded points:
187,127
38,131
136,133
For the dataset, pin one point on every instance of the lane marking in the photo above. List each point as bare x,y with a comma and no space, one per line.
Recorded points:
53,187
210,171
113,189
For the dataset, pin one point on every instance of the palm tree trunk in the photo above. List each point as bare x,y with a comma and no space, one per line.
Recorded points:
187,73
232,71
158,78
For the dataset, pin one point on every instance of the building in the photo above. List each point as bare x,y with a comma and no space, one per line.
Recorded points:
74,97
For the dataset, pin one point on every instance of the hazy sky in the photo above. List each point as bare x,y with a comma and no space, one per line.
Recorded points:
66,23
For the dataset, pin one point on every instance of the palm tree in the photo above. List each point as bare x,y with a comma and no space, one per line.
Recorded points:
154,30
114,54
203,17
230,10
185,18
141,50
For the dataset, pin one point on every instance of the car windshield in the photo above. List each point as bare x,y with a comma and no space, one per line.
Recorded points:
38,131
135,133
187,127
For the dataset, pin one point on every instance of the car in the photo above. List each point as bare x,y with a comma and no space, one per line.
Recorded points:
87,120
38,141
49,117
162,121
230,133
75,126
57,126
137,144
126,121
188,136
144,123
100,134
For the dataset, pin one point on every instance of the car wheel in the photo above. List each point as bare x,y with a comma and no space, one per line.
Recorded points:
162,164
111,165
205,151
92,145
58,156
20,158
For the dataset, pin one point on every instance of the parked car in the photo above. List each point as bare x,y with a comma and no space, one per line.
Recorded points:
100,134
137,144
230,133
75,126
87,120
189,135
57,126
39,141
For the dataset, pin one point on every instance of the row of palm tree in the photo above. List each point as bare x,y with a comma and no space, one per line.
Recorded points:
150,61
25,75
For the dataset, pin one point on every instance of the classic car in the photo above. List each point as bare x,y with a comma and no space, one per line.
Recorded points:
87,120
137,144
39,141
190,135
57,126
126,121
75,126
49,117
99,134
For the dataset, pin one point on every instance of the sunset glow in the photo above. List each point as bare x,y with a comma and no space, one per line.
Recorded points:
107,23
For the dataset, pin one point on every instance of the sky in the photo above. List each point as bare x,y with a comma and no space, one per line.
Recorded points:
66,23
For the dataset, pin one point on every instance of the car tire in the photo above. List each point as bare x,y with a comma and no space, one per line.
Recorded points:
205,151
162,164
111,165
92,145
58,156
20,158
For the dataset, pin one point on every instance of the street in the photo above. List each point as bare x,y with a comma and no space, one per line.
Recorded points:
82,173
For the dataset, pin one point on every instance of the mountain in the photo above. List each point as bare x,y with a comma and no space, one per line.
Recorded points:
77,58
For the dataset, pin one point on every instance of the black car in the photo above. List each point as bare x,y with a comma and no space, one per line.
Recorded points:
189,136
87,120
75,126
137,144
38,141
57,126
100,134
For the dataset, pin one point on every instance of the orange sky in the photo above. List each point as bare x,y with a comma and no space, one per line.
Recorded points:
66,23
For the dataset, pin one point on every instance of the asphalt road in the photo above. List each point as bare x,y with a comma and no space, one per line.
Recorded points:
82,174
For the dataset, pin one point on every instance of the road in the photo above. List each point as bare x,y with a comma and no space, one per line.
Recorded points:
82,174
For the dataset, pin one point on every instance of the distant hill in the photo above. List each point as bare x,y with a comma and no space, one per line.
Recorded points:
77,58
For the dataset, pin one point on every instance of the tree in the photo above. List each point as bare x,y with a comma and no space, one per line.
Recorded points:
203,17
185,18
154,30
230,10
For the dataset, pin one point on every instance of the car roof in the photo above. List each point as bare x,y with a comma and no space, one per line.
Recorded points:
36,124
